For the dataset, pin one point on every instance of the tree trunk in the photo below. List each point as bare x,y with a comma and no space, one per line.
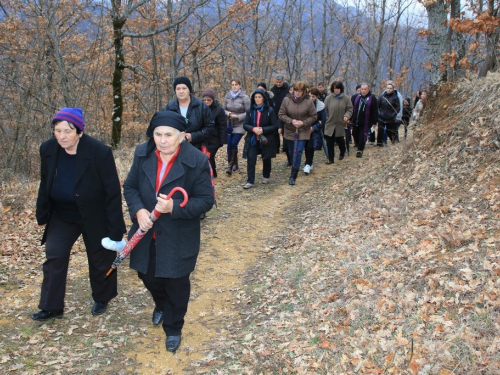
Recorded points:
437,41
117,114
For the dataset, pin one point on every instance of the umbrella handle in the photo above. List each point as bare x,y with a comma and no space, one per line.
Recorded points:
178,188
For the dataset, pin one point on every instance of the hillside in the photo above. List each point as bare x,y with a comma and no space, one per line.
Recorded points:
385,264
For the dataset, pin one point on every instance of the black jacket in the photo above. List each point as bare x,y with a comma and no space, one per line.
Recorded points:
97,189
269,124
280,94
200,124
218,115
178,233
388,107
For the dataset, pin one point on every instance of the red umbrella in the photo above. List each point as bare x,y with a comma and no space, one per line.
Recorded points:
153,216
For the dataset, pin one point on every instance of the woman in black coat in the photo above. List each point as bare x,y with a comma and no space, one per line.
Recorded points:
261,125
219,137
166,255
79,194
389,107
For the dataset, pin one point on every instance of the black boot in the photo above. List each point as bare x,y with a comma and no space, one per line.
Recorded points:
293,177
235,160
229,169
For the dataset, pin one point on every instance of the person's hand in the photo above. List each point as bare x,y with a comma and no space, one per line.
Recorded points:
258,130
279,131
163,204
346,119
143,219
188,137
312,130
297,123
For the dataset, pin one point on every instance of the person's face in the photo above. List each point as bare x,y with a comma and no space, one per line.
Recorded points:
358,90
298,93
423,95
235,86
207,100
279,83
321,89
66,136
389,88
365,90
181,91
167,139
337,91
259,99
313,97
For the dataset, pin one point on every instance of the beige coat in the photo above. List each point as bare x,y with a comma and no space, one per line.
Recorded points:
304,110
336,109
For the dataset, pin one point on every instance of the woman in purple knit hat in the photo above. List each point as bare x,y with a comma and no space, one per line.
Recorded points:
79,194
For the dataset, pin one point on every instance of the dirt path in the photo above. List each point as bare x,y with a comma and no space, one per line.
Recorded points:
247,226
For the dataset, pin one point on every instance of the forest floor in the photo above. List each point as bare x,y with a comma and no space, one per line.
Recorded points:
383,264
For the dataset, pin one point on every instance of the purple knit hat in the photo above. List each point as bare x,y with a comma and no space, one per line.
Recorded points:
73,115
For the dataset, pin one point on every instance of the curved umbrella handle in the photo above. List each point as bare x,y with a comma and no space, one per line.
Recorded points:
178,188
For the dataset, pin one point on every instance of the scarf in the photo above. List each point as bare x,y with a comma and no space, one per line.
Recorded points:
295,99
256,121
234,95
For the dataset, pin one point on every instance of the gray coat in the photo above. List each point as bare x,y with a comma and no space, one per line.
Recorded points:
237,106
178,233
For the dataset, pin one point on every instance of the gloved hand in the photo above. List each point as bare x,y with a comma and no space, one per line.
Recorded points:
109,244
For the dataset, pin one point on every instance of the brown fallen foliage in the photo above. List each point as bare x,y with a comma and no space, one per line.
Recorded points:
392,268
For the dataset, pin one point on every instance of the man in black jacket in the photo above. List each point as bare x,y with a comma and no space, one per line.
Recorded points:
200,125
365,115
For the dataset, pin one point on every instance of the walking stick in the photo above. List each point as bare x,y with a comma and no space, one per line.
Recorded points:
347,135
325,147
153,216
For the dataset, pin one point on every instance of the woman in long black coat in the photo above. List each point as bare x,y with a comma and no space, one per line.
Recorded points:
166,255
79,194
261,125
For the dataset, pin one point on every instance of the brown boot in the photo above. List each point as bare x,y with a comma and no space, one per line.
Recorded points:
235,160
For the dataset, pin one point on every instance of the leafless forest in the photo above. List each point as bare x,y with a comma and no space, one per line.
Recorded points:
117,59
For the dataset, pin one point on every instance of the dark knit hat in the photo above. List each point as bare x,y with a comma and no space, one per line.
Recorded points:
184,80
166,118
263,85
73,115
209,92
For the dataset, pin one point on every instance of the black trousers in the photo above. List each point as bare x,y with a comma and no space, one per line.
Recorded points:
213,150
61,236
330,143
309,151
170,295
252,162
392,132
359,136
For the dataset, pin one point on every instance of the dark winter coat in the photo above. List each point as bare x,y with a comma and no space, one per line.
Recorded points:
200,124
218,115
178,233
97,190
280,94
389,107
303,110
365,112
269,124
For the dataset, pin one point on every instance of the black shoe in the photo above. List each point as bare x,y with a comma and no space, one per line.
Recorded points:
157,316
329,162
291,181
359,154
202,216
99,308
44,315
173,343
341,156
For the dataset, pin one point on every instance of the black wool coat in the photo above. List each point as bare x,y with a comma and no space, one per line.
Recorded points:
97,189
178,233
200,123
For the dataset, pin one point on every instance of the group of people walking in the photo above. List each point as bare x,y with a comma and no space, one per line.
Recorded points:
80,193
